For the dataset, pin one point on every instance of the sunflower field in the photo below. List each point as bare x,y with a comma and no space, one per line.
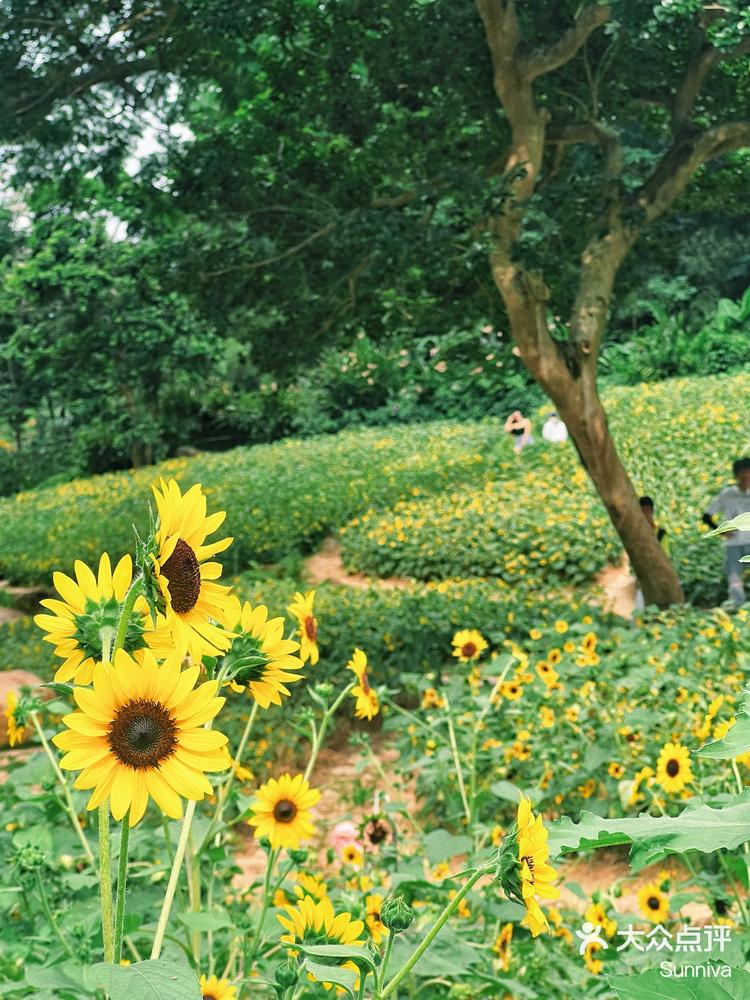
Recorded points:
542,800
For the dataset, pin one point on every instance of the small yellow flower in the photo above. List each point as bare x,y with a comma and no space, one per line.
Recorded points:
654,904
468,644
16,733
673,769
302,609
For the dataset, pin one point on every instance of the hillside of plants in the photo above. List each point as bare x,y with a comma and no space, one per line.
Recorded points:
374,500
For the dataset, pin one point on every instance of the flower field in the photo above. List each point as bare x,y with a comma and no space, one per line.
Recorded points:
170,828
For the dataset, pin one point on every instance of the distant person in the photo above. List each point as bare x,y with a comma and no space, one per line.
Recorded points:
554,430
731,502
520,428
647,507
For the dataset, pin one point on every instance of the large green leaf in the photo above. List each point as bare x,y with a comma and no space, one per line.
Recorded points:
737,740
344,978
338,953
440,845
653,985
698,828
152,980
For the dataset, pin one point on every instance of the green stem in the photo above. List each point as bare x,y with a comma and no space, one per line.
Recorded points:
432,933
477,729
270,865
319,737
69,807
362,979
122,884
50,916
226,787
127,609
386,960
105,883
161,927
193,871
408,715
457,761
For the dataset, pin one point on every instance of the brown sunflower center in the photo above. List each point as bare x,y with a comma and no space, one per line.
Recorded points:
530,862
142,734
184,576
653,903
284,811
673,768
468,649
377,832
311,628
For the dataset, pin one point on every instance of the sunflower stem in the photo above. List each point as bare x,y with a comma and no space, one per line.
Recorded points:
226,787
105,883
270,865
433,932
193,872
179,856
51,917
384,964
320,736
69,807
122,882
127,610
457,761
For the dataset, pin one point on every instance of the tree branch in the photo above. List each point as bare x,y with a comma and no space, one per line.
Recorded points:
677,166
704,60
545,60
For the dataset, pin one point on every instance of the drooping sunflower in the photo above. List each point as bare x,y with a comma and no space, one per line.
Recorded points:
281,811
501,947
653,903
302,609
16,731
316,923
368,704
139,734
193,602
217,989
537,875
260,658
673,769
89,613
375,925
468,644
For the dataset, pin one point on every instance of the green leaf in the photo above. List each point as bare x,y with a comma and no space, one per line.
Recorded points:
506,790
654,985
339,952
439,845
735,743
152,980
211,920
698,828
344,978
739,523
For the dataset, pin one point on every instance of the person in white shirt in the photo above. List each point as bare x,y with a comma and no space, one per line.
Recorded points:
731,502
554,430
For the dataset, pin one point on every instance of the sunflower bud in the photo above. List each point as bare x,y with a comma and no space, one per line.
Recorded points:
298,856
396,914
287,974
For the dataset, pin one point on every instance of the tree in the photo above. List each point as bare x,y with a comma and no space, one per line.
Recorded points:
564,361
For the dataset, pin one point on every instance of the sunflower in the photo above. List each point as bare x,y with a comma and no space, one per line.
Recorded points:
302,609
501,947
673,770
375,925
16,732
547,673
88,615
352,855
594,965
596,914
537,875
358,664
468,644
510,690
217,989
192,601
282,811
260,659
654,903
313,885
139,733
316,923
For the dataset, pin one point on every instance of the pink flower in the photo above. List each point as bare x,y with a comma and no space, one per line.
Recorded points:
344,834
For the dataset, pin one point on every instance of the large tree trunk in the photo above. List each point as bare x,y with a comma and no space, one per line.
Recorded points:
575,395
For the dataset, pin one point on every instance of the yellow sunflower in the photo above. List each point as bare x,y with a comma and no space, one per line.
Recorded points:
302,609
16,732
88,614
352,855
316,923
368,704
217,989
510,690
468,644
375,925
139,733
537,875
260,659
193,603
673,769
281,811
501,947
653,903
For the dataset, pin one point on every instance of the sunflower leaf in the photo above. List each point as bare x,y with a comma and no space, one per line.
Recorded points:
656,985
344,978
698,828
734,744
152,980
339,952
